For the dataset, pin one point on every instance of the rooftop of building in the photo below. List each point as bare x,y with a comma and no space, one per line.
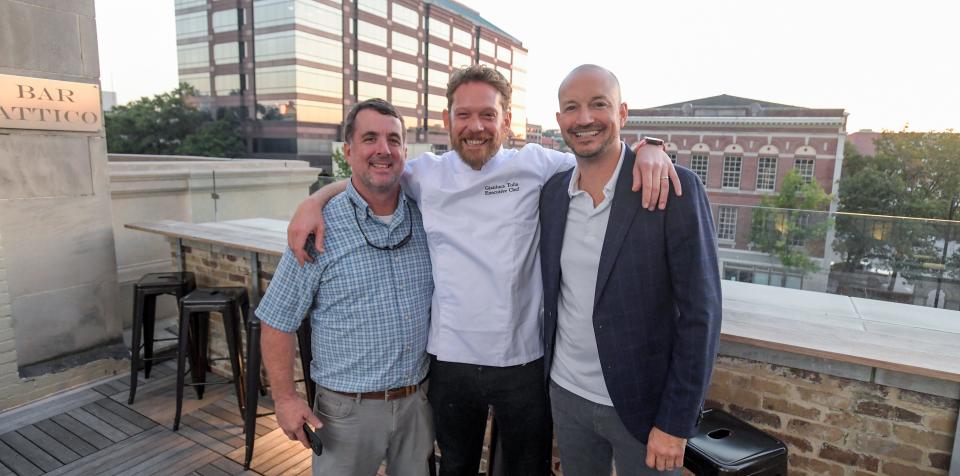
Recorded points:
725,105
472,16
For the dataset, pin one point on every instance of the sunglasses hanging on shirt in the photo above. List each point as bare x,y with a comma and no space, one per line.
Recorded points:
399,244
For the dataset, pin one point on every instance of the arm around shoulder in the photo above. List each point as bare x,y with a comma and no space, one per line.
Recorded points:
308,219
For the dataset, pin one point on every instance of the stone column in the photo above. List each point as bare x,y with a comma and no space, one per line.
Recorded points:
55,216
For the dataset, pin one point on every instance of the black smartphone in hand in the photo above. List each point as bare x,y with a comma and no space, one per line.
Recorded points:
314,438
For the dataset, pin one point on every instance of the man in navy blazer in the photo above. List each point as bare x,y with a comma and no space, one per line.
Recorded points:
632,303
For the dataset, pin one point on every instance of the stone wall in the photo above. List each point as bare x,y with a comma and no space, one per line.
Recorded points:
15,391
836,425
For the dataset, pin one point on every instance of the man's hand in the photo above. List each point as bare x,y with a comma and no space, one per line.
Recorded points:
292,411
664,451
308,219
651,172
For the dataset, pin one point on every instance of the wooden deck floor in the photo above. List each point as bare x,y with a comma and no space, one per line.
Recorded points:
94,432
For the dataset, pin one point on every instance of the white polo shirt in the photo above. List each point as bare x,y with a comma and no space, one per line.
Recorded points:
483,232
576,363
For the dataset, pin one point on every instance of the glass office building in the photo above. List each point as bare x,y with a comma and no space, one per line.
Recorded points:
293,68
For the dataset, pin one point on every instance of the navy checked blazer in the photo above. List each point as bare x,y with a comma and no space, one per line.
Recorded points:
657,308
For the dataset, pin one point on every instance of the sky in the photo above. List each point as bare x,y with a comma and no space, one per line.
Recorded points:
888,64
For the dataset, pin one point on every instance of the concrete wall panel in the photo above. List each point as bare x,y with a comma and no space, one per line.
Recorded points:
44,166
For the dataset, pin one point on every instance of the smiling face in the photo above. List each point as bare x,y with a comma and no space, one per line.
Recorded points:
376,152
477,123
591,113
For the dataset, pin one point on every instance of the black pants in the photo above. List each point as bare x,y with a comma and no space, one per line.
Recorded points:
460,395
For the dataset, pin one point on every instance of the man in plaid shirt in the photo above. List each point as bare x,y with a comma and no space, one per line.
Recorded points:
368,299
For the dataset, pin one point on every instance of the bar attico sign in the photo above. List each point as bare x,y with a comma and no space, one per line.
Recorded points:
46,104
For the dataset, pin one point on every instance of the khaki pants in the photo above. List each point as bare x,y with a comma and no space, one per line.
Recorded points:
359,434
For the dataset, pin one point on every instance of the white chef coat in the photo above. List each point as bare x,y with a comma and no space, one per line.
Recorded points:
483,232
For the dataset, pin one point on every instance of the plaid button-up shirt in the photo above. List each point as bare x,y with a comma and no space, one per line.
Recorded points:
369,308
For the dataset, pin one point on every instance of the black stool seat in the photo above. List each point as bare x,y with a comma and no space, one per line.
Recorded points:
726,445
233,304
168,281
215,297
145,292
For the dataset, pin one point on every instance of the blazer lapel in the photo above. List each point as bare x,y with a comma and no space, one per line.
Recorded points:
557,204
622,210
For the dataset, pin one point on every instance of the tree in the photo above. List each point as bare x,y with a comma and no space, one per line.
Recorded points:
914,174
341,164
166,124
786,224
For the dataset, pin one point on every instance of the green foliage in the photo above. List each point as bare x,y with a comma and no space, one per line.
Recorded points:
914,174
342,166
168,124
784,226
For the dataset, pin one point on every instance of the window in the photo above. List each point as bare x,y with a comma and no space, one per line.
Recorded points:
438,78
273,12
436,102
371,63
439,54
227,84
192,25
404,44
403,70
377,7
226,53
462,38
699,164
371,33
299,79
367,90
504,53
284,110
225,20
404,98
673,156
322,112
460,59
318,49
406,16
766,173
188,3
194,55
439,29
272,46
727,223
804,168
731,171
487,48
200,81
321,17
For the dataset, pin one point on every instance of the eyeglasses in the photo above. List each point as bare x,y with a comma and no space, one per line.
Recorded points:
399,244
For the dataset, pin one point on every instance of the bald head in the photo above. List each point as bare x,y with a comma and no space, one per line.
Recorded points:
596,72
591,113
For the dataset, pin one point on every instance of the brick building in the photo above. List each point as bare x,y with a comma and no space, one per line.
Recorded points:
295,67
742,149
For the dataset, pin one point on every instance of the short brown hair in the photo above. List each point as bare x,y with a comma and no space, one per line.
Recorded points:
377,104
483,74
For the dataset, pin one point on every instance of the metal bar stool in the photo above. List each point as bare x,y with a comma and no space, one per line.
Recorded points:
145,292
253,378
232,303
